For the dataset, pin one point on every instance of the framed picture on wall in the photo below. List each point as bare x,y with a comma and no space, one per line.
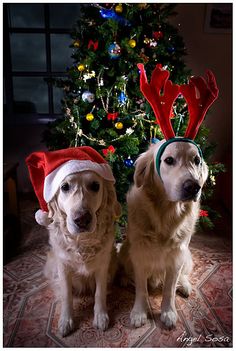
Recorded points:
218,18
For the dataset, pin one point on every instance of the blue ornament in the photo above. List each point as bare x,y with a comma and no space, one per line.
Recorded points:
106,13
129,162
111,14
171,49
154,140
114,50
122,98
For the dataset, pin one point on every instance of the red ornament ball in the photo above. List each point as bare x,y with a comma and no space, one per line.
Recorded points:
157,35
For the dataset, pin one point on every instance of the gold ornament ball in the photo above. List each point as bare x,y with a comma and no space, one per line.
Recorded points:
89,117
132,43
143,6
119,125
119,8
76,43
81,67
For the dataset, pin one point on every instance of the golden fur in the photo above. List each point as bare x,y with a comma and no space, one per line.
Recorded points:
160,225
82,257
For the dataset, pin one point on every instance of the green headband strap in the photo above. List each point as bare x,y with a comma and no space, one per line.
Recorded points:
170,141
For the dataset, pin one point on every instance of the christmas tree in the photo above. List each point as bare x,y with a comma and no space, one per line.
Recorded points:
103,106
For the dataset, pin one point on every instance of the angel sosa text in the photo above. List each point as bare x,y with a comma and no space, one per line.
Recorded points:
201,338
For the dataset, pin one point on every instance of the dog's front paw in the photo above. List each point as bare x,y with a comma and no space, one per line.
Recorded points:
66,326
101,320
138,318
184,286
185,289
169,318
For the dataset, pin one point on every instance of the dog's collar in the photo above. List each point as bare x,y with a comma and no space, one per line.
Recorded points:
170,141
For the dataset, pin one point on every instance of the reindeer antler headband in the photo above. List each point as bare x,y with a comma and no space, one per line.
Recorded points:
199,94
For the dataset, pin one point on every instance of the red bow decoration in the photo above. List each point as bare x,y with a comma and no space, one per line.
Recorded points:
203,213
199,94
112,116
93,44
110,149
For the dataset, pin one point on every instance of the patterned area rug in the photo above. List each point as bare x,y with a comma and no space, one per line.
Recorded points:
31,311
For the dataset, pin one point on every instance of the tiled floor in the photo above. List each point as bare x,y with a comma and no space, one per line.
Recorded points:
31,311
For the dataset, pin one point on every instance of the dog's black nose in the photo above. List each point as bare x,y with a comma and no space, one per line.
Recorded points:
84,219
190,188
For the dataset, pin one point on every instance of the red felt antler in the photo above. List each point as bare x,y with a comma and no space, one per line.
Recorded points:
200,95
161,103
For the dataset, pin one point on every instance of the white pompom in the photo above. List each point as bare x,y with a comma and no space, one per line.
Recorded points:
41,218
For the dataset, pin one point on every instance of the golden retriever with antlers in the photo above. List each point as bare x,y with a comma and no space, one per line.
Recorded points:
163,203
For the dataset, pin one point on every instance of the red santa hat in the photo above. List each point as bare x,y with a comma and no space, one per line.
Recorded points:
48,169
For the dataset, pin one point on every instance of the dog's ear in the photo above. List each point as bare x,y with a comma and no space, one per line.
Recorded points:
143,169
110,200
53,209
204,171
113,202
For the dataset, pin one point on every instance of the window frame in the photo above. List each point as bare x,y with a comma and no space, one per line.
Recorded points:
30,118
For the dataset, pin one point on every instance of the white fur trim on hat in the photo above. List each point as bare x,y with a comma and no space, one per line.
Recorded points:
53,180
41,218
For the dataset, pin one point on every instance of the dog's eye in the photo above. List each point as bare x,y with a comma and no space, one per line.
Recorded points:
197,160
65,187
94,186
170,161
